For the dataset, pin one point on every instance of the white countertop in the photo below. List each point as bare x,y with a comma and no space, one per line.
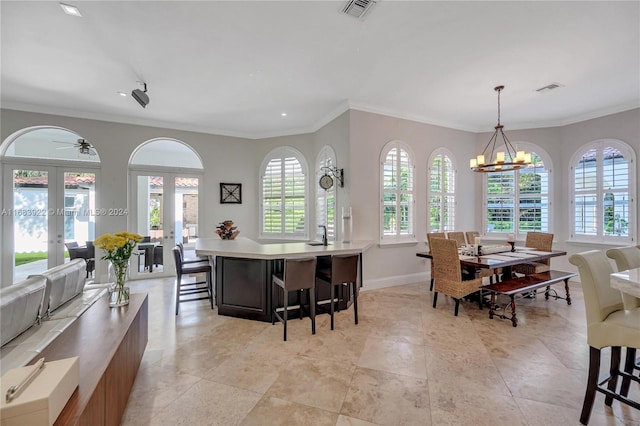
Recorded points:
627,281
246,248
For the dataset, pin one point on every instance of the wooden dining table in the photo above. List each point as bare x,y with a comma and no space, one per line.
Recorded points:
511,286
504,260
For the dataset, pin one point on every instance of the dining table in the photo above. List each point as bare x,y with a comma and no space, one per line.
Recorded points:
627,281
503,260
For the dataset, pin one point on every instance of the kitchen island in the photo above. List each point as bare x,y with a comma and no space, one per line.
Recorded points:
243,269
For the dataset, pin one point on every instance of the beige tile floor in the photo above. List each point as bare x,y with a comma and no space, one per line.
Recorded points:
404,364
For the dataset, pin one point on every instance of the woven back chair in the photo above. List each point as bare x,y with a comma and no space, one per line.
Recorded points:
430,237
458,237
627,258
540,241
448,273
471,236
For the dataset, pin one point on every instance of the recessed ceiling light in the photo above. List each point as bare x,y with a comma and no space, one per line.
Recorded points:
70,10
122,94
284,114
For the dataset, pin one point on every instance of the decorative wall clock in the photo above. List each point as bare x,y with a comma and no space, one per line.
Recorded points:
230,193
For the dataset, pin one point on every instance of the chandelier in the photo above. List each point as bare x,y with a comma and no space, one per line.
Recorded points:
503,161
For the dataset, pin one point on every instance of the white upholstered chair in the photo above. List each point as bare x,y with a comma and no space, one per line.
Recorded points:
608,325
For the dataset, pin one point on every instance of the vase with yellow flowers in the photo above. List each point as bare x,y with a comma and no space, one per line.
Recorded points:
118,249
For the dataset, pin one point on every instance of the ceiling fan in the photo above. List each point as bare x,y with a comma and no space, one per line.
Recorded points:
83,146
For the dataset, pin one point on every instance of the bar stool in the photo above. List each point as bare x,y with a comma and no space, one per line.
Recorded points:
299,274
608,325
190,259
186,289
344,271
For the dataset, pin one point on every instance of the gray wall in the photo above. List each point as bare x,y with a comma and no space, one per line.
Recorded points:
358,138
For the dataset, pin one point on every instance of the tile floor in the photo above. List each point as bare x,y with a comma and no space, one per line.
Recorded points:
404,364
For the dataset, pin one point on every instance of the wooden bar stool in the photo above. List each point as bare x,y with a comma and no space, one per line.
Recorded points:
344,271
299,274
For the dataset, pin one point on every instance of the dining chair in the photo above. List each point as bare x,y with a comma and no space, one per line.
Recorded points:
448,273
298,275
458,237
192,288
471,236
91,259
343,271
82,252
157,256
540,241
430,237
608,325
627,258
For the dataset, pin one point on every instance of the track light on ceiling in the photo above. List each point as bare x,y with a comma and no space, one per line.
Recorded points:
141,95
512,159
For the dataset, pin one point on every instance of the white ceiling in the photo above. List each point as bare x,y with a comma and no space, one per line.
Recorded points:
233,67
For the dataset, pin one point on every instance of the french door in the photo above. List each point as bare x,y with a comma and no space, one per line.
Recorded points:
165,212
43,208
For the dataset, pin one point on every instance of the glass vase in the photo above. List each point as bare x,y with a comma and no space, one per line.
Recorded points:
119,275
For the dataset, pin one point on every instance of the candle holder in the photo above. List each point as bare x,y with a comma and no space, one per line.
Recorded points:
513,245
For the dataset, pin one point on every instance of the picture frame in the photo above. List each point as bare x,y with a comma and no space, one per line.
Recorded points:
230,193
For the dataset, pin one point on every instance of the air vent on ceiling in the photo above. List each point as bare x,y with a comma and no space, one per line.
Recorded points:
358,8
549,87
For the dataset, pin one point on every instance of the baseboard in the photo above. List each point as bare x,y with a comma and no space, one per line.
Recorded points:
396,280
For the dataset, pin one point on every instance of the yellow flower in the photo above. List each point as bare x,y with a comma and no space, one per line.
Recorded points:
119,246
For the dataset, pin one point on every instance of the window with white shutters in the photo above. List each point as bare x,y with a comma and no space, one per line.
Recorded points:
442,192
326,199
603,183
284,191
518,201
397,172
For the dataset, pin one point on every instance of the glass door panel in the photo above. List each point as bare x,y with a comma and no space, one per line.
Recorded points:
166,211
30,213
149,195
79,207
186,212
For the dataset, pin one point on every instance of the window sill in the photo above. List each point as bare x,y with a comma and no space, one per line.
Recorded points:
628,242
392,244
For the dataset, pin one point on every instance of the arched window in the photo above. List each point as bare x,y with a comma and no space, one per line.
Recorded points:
442,192
49,181
603,183
518,201
283,192
397,208
326,199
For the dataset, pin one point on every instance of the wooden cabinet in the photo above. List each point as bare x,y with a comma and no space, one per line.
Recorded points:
110,343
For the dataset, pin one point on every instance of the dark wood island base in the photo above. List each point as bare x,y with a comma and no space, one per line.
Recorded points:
244,287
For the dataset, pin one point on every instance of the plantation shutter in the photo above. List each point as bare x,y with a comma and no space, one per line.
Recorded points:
284,198
442,198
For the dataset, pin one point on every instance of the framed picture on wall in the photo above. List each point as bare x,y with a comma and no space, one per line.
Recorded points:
230,193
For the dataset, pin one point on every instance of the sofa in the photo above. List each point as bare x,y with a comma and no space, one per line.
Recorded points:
34,311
